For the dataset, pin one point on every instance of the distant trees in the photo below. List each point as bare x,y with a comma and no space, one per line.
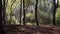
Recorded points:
18,9
11,11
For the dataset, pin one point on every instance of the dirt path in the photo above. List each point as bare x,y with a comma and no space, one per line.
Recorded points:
43,29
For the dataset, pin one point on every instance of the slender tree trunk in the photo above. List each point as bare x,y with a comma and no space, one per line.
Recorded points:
23,12
20,12
10,15
54,13
4,11
1,24
36,12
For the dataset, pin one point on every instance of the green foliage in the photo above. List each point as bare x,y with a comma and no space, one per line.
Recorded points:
59,2
29,15
58,14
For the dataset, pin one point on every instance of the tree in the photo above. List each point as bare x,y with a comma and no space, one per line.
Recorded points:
54,12
1,24
4,11
36,12
20,11
23,12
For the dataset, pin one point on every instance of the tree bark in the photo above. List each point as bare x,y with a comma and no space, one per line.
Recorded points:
23,12
1,24
36,12
4,11
20,12
54,12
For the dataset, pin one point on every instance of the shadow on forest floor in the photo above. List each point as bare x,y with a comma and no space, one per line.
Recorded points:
43,29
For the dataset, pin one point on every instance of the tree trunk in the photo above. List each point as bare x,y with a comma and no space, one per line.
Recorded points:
20,12
1,24
4,11
23,12
54,12
36,12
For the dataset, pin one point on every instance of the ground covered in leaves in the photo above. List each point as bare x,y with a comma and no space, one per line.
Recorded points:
42,29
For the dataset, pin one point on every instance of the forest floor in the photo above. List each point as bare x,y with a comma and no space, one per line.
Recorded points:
42,29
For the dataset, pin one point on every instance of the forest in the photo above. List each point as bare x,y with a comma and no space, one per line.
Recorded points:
16,12
31,15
